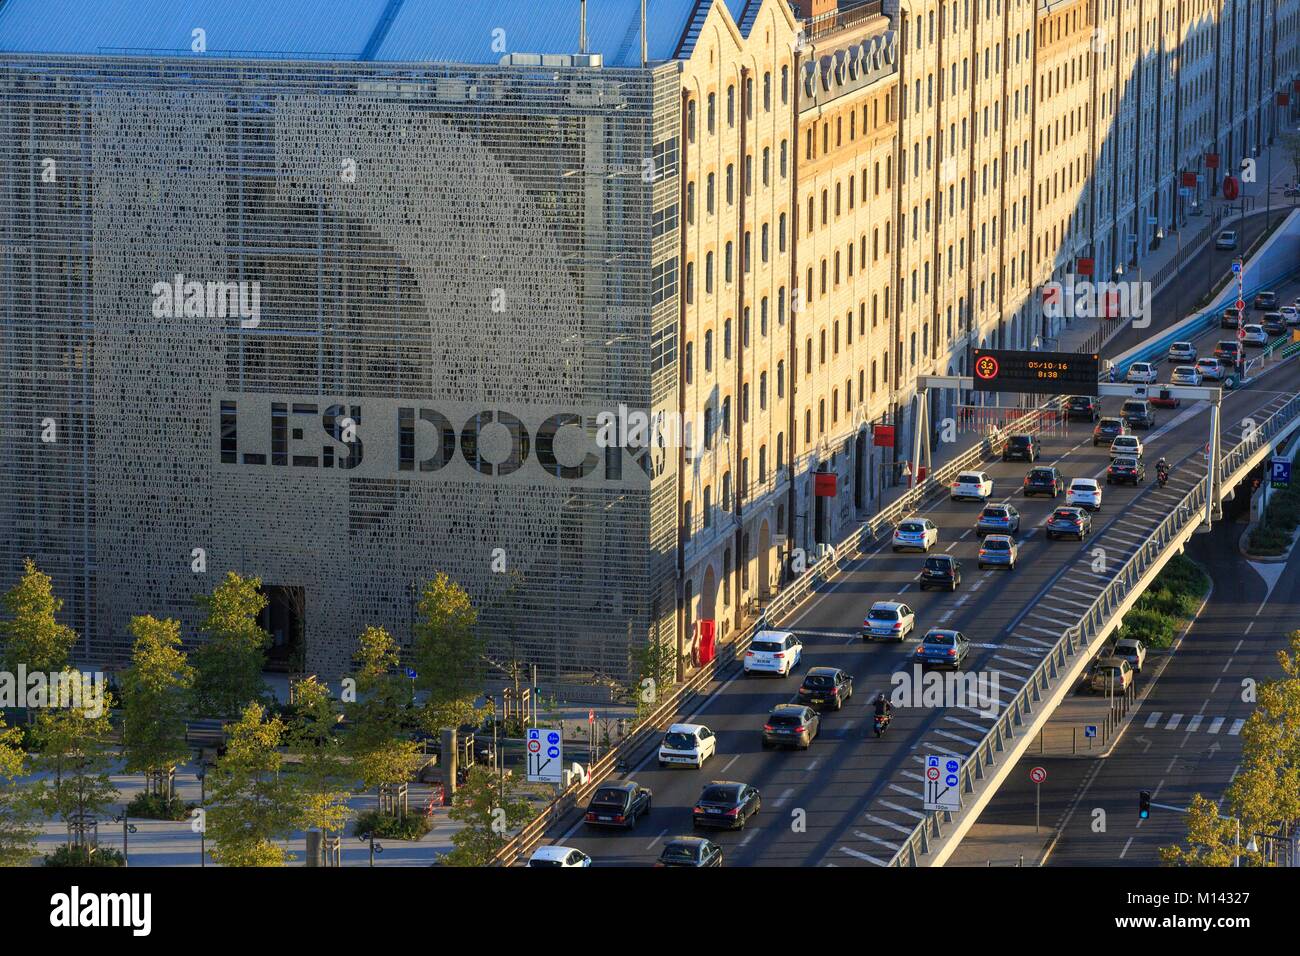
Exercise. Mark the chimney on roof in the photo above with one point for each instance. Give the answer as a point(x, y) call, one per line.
point(582, 28)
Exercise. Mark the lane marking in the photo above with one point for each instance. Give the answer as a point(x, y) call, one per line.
point(1215, 724)
point(1236, 727)
point(1173, 722)
point(1153, 719)
point(862, 856)
point(1194, 723)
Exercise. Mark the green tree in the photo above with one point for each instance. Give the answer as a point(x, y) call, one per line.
point(377, 745)
point(16, 811)
point(490, 808)
point(322, 776)
point(74, 751)
point(31, 636)
point(155, 701)
point(656, 667)
point(449, 654)
point(228, 667)
point(251, 803)
point(1211, 839)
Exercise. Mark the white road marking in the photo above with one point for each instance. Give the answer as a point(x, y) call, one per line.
point(861, 835)
point(1236, 727)
point(1239, 643)
point(1174, 721)
point(785, 795)
point(910, 813)
point(1215, 724)
point(1126, 846)
point(862, 856)
point(966, 740)
point(656, 840)
point(1194, 723)
point(1153, 719)
point(730, 762)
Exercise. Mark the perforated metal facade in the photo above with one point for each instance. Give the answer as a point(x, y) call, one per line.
point(437, 252)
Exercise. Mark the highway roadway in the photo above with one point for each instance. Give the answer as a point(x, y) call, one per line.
point(851, 798)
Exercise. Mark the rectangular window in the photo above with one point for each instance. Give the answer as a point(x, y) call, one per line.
point(663, 281)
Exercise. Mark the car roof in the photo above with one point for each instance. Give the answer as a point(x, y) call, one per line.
point(1085, 481)
point(774, 634)
point(997, 537)
point(725, 783)
point(685, 728)
point(558, 853)
point(788, 709)
point(823, 671)
point(887, 605)
point(942, 631)
point(691, 841)
point(1126, 641)
point(618, 785)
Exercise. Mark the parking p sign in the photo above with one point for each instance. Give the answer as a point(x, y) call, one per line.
point(1280, 472)
point(545, 755)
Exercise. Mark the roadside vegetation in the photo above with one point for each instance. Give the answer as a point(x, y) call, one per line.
point(283, 769)
point(1273, 535)
point(1262, 803)
point(1167, 605)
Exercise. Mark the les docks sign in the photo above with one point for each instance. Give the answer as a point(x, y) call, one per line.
point(1041, 373)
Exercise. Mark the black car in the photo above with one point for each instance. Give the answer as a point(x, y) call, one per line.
point(1265, 301)
point(1082, 408)
point(690, 851)
point(826, 687)
point(1044, 480)
point(1069, 521)
point(1274, 324)
point(725, 803)
point(1021, 448)
point(940, 571)
point(1123, 471)
point(618, 804)
point(791, 725)
point(1229, 318)
point(1137, 413)
point(1106, 431)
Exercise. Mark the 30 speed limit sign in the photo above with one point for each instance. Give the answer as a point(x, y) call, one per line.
point(1038, 775)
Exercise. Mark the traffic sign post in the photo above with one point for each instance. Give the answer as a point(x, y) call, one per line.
point(1280, 472)
point(545, 755)
point(1038, 775)
point(942, 782)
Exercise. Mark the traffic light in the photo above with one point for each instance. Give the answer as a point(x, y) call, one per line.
point(1144, 804)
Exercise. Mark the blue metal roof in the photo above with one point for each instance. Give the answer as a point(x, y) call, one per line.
point(460, 31)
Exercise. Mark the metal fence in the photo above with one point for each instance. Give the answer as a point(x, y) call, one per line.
point(1093, 626)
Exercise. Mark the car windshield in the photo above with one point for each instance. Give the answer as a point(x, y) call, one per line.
point(1125, 462)
point(1082, 486)
point(1108, 423)
point(993, 544)
point(532, 863)
point(677, 853)
point(1126, 441)
point(1065, 515)
point(719, 795)
point(1040, 475)
point(970, 479)
point(939, 639)
point(818, 680)
point(910, 527)
point(883, 614)
point(1080, 401)
point(1020, 441)
point(1126, 647)
point(609, 795)
point(995, 513)
point(767, 646)
point(1134, 407)
point(784, 720)
point(1183, 346)
point(679, 741)
point(936, 564)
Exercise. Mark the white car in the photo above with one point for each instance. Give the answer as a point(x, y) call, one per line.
point(1185, 375)
point(916, 533)
point(1211, 369)
point(773, 652)
point(888, 619)
point(972, 484)
point(1226, 240)
point(1182, 352)
point(1126, 446)
point(558, 856)
point(1141, 372)
point(1255, 335)
point(1290, 314)
point(1084, 493)
point(689, 744)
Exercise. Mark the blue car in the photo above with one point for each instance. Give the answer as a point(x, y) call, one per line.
point(998, 551)
point(997, 519)
point(942, 648)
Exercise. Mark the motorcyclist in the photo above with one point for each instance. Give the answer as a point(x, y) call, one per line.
point(883, 707)
point(1162, 470)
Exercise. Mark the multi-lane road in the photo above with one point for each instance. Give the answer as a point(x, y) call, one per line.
point(851, 798)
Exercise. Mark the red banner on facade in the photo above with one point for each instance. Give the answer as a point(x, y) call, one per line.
point(1211, 160)
point(824, 484)
point(882, 436)
point(1189, 179)
point(1083, 267)
point(1283, 99)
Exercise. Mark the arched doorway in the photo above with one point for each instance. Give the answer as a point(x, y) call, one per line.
point(709, 595)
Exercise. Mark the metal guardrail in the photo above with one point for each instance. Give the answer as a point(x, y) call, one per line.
point(1178, 524)
point(785, 601)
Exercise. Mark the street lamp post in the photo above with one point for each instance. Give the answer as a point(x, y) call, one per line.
point(202, 773)
point(127, 828)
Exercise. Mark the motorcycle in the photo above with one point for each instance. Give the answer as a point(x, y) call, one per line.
point(1162, 477)
point(882, 723)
